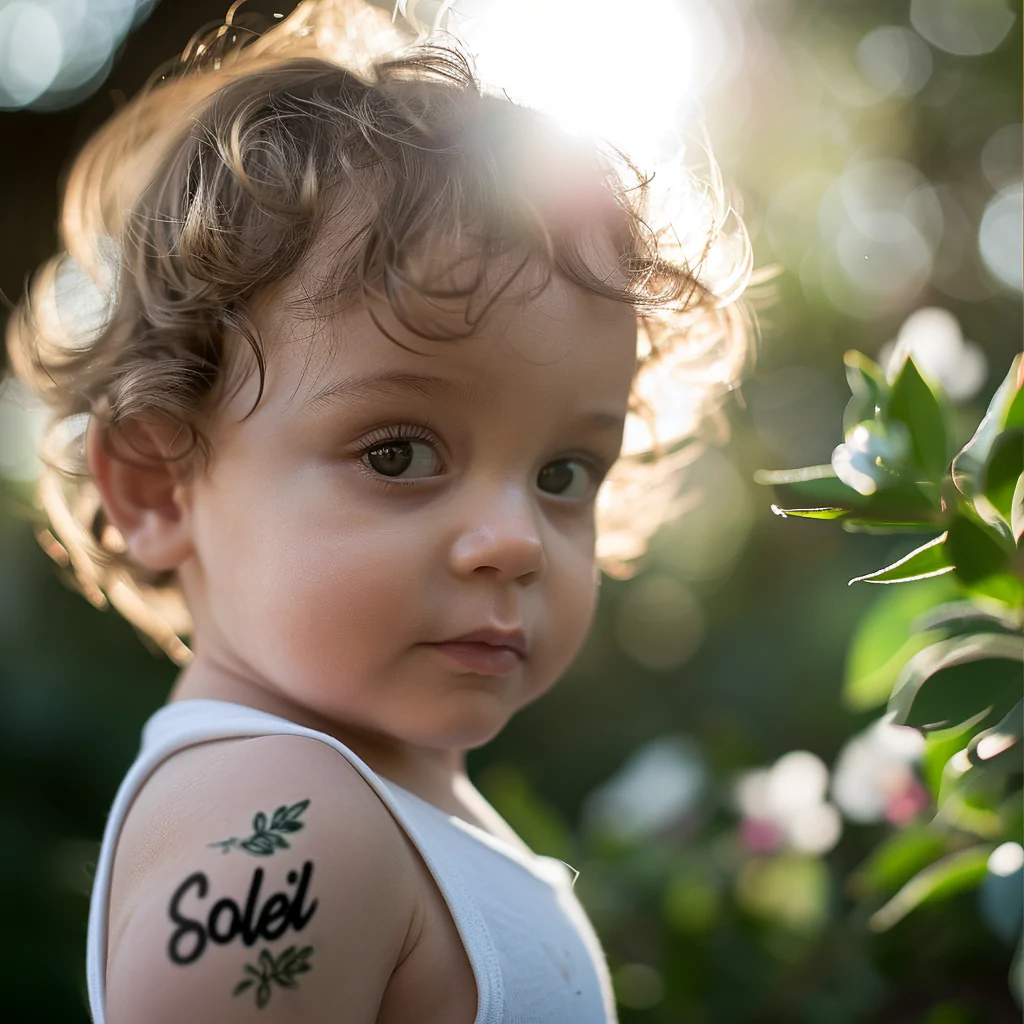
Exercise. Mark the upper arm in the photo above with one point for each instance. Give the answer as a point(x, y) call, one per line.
point(282, 895)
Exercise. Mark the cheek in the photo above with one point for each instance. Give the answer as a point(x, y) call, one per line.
point(340, 593)
point(573, 593)
point(293, 583)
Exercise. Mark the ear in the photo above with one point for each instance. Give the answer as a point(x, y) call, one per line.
point(146, 497)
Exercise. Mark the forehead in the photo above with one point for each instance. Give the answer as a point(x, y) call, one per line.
point(545, 349)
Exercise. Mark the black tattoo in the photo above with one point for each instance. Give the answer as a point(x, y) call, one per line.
point(266, 838)
point(272, 921)
point(282, 970)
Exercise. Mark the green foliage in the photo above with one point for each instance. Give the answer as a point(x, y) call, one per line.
point(955, 672)
point(964, 869)
point(914, 404)
point(931, 559)
point(896, 860)
point(891, 631)
point(940, 686)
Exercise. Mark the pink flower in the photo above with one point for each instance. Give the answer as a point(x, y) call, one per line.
point(759, 835)
point(906, 802)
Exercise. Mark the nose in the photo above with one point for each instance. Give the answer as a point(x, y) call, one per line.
point(499, 533)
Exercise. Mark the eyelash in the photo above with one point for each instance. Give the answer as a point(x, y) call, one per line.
point(413, 432)
point(399, 432)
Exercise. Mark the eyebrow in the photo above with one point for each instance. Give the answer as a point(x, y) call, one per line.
point(391, 382)
point(351, 389)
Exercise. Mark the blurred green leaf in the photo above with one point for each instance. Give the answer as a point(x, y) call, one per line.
point(1011, 814)
point(868, 386)
point(942, 685)
point(774, 477)
point(1014, 417)
point(940, 745)
point(1004, 410)
point(991, 519)
point(931, 559)
point(815, 489)
point(818, 485)
point(1001, 586)
point(968, 615)
point(1004, 468)
point(854, 524)
point(884, 640)
point(991, 743)
point(810, 513)
point(900, 503)
point(974, 550)
point(913, 403)
point(968, 792)
point(1017, 510)
point(954, 873)
point(897, 859)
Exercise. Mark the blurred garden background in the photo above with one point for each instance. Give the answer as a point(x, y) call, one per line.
point(716, 764)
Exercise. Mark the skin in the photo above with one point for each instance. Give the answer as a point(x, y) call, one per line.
point(314, 581)
point(200, 921)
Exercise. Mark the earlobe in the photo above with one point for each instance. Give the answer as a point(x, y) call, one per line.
point(146, 499)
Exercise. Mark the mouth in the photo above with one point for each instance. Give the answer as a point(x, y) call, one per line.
point(487, 651)
point(482, 658)
point(513, 639)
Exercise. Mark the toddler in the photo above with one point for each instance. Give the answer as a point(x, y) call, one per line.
point(371, 344)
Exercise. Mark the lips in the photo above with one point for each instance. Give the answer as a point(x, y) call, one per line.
point(514, 640)
point(488, 651)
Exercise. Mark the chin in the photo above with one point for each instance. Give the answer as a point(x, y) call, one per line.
point(465, 732)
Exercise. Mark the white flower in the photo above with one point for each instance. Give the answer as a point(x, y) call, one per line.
point(872, 775)
point(869, 447)
point(789, 797)
point(932, 335)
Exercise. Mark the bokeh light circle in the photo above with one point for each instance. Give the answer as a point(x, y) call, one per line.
point(894, 60)
point(964, 27)
point(1000, 237)
point(1002, 156)
point(880, 221)
point(31, 52)
point(54, 53)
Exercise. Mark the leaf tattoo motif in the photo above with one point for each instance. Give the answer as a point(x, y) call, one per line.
point(267, 837)
point(282, 970)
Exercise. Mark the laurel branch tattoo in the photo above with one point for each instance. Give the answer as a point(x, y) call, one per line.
point(282, 970)
point(267, 837)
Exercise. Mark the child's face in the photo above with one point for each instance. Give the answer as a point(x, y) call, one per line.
point(317, 575)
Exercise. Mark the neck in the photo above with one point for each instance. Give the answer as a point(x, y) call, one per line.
point(438, 773)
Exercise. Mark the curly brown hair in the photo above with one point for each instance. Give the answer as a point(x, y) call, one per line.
point(217, 180)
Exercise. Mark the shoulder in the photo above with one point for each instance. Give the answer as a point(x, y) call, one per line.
point(226, 783)
point(248, 862)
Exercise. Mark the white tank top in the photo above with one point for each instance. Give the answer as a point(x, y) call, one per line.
point(534, 953)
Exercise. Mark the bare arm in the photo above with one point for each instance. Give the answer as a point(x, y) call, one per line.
point(283, 899)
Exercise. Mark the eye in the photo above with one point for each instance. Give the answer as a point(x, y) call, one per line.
point(568, 478)
point(400, 455)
